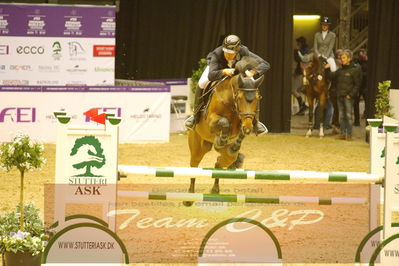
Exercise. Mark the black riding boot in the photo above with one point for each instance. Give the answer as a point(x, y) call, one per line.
point(259, 127)
point(194, 119)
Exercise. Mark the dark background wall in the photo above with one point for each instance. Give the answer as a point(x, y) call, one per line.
point(165, 39)
point(383, 46)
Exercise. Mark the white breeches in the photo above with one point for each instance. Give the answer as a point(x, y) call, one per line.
point(331, 62)
point(204, 81)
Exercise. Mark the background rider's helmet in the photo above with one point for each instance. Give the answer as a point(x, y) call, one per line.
point(231, 44)
point(325, 21)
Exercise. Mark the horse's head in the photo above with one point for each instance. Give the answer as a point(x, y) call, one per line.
point(313, 67)
point(246, 97)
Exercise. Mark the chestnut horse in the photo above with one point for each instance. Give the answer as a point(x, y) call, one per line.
point(316, 87)
point(229, 118)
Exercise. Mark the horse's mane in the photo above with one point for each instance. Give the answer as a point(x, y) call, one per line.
point(246, 63)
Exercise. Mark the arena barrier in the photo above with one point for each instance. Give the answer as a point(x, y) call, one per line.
point(389, 179)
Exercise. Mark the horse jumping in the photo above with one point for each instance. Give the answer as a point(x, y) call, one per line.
point(316, 87)
point(228, 119)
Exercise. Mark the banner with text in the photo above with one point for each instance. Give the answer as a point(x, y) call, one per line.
point(57, 45)
point(145, 111)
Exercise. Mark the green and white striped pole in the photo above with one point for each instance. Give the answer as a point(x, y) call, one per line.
point(200, 197)
point(191, 172)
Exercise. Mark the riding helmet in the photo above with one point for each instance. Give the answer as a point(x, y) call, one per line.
point(231, 44)
point(325, 21)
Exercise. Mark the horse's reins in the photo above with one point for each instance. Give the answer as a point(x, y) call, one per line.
point(214, 87)
point(207, 92)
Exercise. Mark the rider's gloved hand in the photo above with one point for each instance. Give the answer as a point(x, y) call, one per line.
point(228, 71)
point(250, 73)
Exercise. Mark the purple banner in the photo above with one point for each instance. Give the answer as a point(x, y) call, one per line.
point(57, 21)
point(165, 88)
point(170, 81)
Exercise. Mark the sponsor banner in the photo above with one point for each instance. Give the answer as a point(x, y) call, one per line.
point(103, 50)
point(57, 61)
point(145, 111)
point(171, 81)
point(57, 21)
point(66, 45)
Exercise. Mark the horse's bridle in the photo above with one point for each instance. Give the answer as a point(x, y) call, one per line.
point(242, 115)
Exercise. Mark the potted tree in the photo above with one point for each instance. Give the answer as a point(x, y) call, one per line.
point(21, 234)
point(382, 106)
point(22, 247)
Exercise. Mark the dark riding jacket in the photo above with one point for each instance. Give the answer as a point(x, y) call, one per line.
point(348, 79)
point(304, 51)
point(217, 62)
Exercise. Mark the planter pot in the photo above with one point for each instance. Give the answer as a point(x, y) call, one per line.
point(21, 259)
point(367, 135)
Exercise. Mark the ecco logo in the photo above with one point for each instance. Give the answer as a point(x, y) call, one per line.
point(18, 114)
point(30, 50)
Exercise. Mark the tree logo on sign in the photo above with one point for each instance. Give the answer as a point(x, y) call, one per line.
point(89, 149)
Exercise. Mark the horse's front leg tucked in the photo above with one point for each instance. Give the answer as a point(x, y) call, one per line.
point(222, 124)
point(236, 145)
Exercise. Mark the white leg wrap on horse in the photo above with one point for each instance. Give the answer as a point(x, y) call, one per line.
point(321, 133)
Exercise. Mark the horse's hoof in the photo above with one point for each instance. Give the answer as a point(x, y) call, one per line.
point(188, 203)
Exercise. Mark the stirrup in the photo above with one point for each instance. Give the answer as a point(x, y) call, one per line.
point(260, 129)
point(189, 123)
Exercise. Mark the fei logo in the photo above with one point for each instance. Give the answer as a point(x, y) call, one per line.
point(4, 49)
point(89, 153)
point(116, 110)
point(18, 114)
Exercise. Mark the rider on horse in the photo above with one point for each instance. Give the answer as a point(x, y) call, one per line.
point(324, 42)
point(221, 63)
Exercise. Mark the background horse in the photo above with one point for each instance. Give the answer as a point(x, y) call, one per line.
point(316, 87)
point(229, 117)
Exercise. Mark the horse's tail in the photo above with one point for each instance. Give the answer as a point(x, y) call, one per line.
point(246, 63)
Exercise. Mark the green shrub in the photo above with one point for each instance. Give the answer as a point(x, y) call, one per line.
point(382, 106)
point(32, 240)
